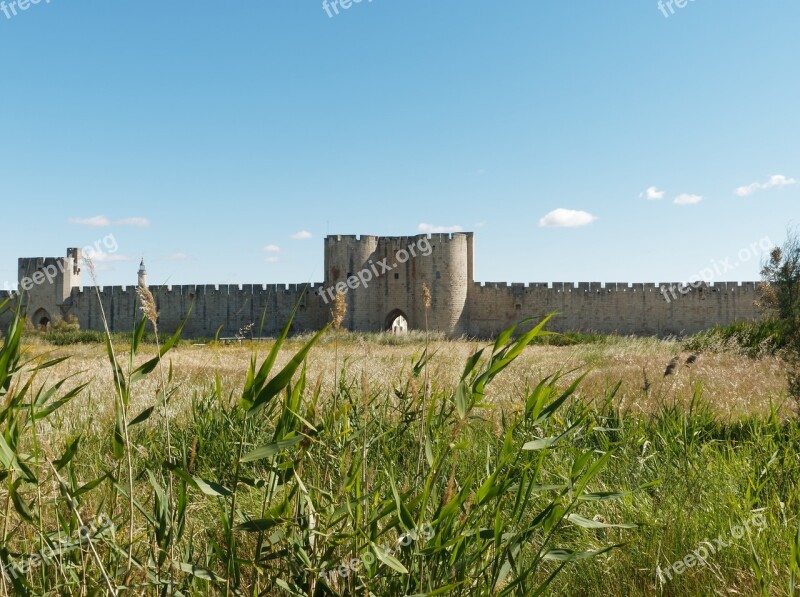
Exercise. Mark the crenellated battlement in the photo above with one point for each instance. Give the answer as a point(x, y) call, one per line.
point(207, 289)
point(439, 237)
point(351, 238)
point(615, 286)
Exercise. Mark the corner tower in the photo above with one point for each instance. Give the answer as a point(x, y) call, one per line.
point(47, 284)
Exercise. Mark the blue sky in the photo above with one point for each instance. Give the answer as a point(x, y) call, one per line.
point(205, 136)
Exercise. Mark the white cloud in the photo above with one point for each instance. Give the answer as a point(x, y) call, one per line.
point(748, 189)
point(178, 257)
point(687, 199)
point(271, 259)
point(566, 218)
point(439, 229)
point(93, 222)
point(302, 235)
point(775, 181)
point(272, 249)
point(653, 194)
point(104, 222)
point(779, 180)
point(135, 222)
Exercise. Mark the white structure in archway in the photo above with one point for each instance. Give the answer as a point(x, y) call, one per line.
point(400, 325)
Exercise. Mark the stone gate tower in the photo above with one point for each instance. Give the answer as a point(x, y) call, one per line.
point(48, 283)
point(397, 268)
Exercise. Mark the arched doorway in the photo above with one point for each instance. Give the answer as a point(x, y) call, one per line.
point(41, 320)
point(397, 322)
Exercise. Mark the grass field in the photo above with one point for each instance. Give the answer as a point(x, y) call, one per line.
point(375, 467)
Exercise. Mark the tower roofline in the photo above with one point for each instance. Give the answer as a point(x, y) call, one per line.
point(361, 237)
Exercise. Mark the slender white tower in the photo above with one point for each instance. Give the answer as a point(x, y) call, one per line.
point(142, 275)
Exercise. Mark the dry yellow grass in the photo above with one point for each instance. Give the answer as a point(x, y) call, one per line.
point(734, 385)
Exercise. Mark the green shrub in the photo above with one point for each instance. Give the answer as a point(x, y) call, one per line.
point(70, 324)
point(752, 338)
point(779, 295)
point(574, 339)
point(66, 338)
